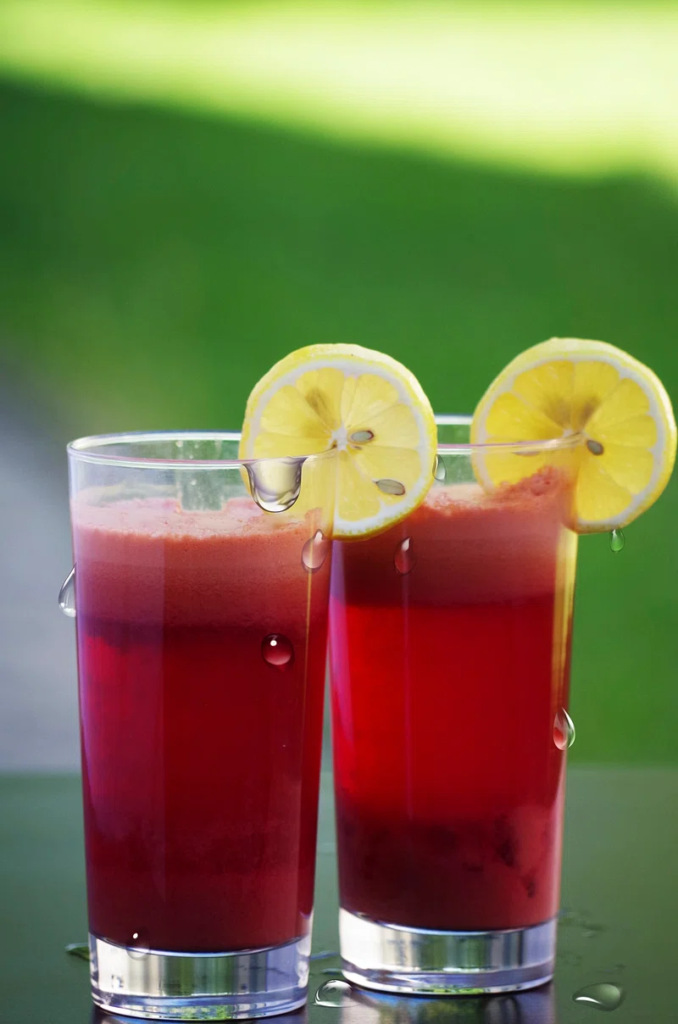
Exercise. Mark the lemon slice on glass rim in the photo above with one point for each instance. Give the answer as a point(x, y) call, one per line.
point(615, 404)
point(361, 403)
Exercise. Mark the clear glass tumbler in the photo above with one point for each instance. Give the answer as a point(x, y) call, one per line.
point(200, 588)
point(450, 654)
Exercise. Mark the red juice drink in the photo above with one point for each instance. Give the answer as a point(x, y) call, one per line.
point(201, 655)
point(450, 640)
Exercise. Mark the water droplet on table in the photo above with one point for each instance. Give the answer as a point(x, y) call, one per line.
point(67, 595)
point(315, 551)
point(391, 486)
point(333, 993)
point(79, 949)
point(564, 733)
point(439, 469)
point(617, 540)
point(277, 650)
point(603, 996)
point(139, 945)
point(405, 558)
point(275, 483)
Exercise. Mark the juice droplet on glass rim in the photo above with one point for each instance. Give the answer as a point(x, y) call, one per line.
point(275, 483)
point(67, 595)
point(564, 733)
point(617, 540)
point(405, 558)
point(603, 996)
point(315, 551)
point(138, 946)
point(277, 650)
point(333, 993)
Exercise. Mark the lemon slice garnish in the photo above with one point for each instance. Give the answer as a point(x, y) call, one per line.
point(620, 409)
point(369, 408)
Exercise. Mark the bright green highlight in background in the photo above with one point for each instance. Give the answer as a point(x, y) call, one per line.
point(555, 86)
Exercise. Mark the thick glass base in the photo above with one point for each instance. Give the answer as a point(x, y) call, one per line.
point(199, 986)
point(393, 958)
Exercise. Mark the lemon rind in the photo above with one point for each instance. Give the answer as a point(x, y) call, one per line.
point(628, 367)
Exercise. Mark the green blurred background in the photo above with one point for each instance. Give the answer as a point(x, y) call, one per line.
point(190, 190)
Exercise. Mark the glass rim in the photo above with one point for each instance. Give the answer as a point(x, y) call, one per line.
point(567, 441)
point(87, 449)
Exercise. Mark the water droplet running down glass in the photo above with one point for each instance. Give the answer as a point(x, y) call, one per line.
point(315, 551)
point(439, 469)
point(275, 483)
point(67, 595)
point(139, 946)
point(603, 996)
point(405, 558)
point(564, 733)
point(617, 540)
point(333, 993)
point(277, 650)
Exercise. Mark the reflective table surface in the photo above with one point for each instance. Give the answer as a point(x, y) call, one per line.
point(617, 934)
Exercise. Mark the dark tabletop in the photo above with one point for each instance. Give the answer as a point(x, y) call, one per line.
point(618, 926)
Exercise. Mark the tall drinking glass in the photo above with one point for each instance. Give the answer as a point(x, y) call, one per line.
point(450, 652)
point(201, 592)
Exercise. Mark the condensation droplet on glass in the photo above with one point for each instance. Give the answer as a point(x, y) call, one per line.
point(405, 558)
point(275, 483)
point(439, 469)
point(603, 996)
point(67, 595)
point(333, 993)
point(564, 733)
point(79, 949)
point(138, 946)
point(277, 650)
point(315, 551)
point(391, 487)
point(617, 540)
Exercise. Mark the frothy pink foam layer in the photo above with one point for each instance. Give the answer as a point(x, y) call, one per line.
point(150, 561)
point(469, 546)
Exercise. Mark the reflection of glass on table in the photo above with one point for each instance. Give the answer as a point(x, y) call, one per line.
point(450, 640)
point(201, 623)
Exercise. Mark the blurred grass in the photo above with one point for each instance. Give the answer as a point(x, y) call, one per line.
point(153, 265)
